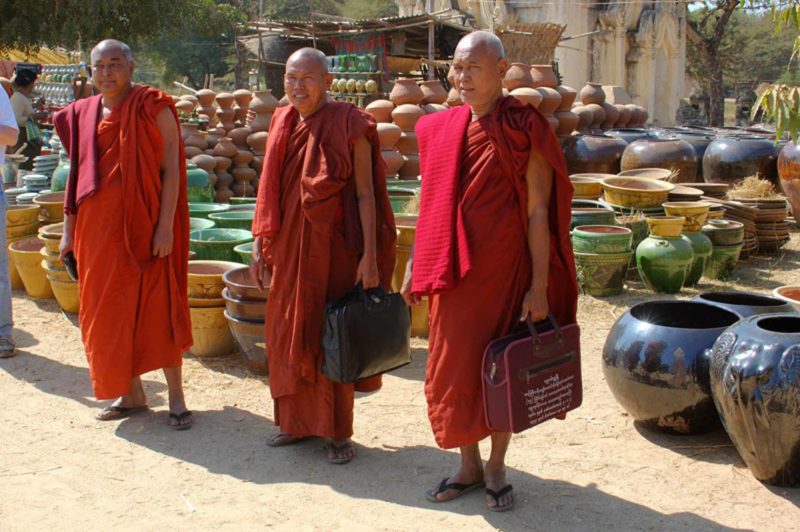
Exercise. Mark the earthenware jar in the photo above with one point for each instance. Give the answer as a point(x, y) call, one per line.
point(589, 153)
point(601, 239)
point(789, 173)
point(433, 91)
point(225, 148)
point(593, 93)
point(630, 134)
point(612, 115)
point(406, 91)
point(518, 75)
point(585, 118)
point(242, 97)
point(543, 76)
point(394, 160)
point(263, 104)
point(568, 95)
point(745, 304)
point(388, 134)
point(239, 136)
point(406, 116)
point(567, 122)
point(756, 389)
point(671, 153)
point(381, 110)
point(724, 232)
point(410, 168)
point(527, 95)
point(598, 117)
point(625, 115)
point(731, 159)
point(257, 142)
point(656, 364)
point(722, 261)
point(664, 258)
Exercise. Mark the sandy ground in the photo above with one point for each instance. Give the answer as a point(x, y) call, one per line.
point(61, 469)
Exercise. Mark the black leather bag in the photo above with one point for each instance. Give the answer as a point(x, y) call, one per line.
point(366, 333)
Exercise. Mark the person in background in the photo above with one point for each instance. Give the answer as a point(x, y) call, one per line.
point(8, 136)
point(23, 84)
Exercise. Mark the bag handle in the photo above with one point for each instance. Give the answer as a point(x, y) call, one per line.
point(373, 296)
point(537, 342)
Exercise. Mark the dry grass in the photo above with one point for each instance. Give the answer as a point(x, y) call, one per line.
point(753, 187)
point(412, 207)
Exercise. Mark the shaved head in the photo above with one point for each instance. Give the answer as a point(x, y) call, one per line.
point(311, 58)
point(113, 44)
point(306, 80)
point(479, 66)
point(483, 42)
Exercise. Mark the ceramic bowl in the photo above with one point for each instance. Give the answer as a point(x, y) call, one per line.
point(202, 210)
point(241, 286)
point(205, 278)
point(21, 215)
point(788, 293)
point(218, 243)
point(252, 310)
point(239, 219)
point(636, 192)
point(245, 251)
point(200, 223)
point(649, 173)
point(252, 343)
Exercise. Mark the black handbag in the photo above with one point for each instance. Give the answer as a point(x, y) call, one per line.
point(366, 333)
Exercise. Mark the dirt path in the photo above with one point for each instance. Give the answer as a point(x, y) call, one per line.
point(596, 471)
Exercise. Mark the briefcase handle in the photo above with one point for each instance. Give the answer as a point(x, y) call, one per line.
point(373, 296)
point(537, 342)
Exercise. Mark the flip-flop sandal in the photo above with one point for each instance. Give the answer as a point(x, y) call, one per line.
point(179, 420)
point(462, 489)
point(339, 460)
point(282, 435)
point(496, 496)
point(110, 413)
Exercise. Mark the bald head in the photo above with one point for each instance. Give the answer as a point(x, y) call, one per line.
point(483, 42)
point(112, 45)
point(308, 59)
point(306, 80)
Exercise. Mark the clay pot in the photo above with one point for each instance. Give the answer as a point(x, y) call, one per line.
point(243, 157)
point(239, 136)
point(256, 164)
point(601, 239)
point(664, 261)
point(225, 148)
point(593, 93)
point(263, 102)
point(406, 116)
point(225, 117)
point(205, 97)
point(190, 98)
point(188, 129)
point(381, 110)
point(550, 100)
point(206, 162)
point(612, 115)
point(407, 144)
point(527, 95)
point(588, 153)
point(184, 108)
point(394, 160)
point(598, 116)
point(638, 115)
point(567, 122)
point(655, 363)
point(433, 91)
point(214, 134)
point(756, 392)
point(543, 76)
point(433, 108)
point(789, 174)
point(585, 118)
point(388, 134)
point(670, 153)
point(242, 97)
point(518, 75)
point(225, 100)
point(406, 91)
point(258, 142)
point(625, 116)
point(223, 163)
point(454, 98)
point(191, 151)
point(410, 168)
point(731, 159)
point(568, 95)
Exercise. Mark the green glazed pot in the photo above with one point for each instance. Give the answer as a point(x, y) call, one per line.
point(600, 274)
point(200, 223)
point(592, 216)
point(242, 207)
point(601, 239)
point(245, 251)
point(60, 175)
point(404, 183)
point(724, 232)
point(722, 261)
point(702, 248)
point(242, 201)
point(198, 187)
point(664, 263)
point(218, 244)
point(233, 219)
point(202, 210)
point(399, 203)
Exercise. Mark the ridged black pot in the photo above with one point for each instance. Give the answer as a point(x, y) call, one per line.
point(656, 364)
point(755, 382)
point(745, 304)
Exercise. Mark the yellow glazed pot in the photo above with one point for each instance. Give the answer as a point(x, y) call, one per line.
point(52, 245)
point(419, 318)
point(21, 215)
point(666, 226)
point(28, 261)
point(212, 336)
point(588, 186)
point(205, 278)
point(64, 288)
point(52, 261)
point(695, 212)
point(636, 192)
point(52, 207)
point(20, 231)
point(13, 274)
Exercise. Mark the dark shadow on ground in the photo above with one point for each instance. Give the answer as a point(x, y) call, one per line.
point(714, 447)
point(23, 339)
point(416, 370)
point(541, 504)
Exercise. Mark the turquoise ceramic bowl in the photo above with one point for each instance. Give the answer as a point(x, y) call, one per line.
point(233, 219)
point(200, 223)
point(245, 251)
point(218, 243)
point(202, 210)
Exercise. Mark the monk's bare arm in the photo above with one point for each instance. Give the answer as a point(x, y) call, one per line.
point(68, 236)
point(362, 162)
point(539, 180)
point(170, 183)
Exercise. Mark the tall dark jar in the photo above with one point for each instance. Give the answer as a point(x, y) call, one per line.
point(669, 152)
point(589, 153)
point(731, 159)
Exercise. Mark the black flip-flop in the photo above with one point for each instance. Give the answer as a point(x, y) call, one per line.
point(110, 413)
point(343, 459)
point(496, 496)
point(270, 441)
point(179, 418)
point(445, 486)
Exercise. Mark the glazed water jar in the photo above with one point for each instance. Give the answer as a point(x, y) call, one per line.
point(590, 153)
point(722, 261)
point(670, 153)
point(664, 259)
point(702, 249)
point(731, 159)
point(602, 274)
point(601, 239)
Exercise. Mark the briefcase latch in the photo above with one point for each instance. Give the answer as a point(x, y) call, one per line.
point(493, 371)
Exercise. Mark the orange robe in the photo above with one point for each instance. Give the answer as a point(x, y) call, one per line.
point(485, 301)
point(308, 214)
point(134, 313)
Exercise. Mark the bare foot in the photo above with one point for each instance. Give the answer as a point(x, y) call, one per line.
point(282, 438)
point(467, 479)
point(122, 408)
point(499, 494)
point(341, 451)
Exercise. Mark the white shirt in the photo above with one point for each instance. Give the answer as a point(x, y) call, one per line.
point(22, 106)
point(6, 119)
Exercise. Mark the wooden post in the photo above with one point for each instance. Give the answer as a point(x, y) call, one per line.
point(431, 71)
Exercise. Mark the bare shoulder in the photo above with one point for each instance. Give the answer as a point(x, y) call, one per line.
point(165, 121)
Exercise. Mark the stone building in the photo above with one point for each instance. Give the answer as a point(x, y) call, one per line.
point(637, 44)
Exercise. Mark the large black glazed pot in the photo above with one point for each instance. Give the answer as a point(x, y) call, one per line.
point(668, 152)
point(700, 143)
point(631, 134)
point(745, 304)
point(731, 159)
point(589, 153)
point(755, 381)
point(655, 362)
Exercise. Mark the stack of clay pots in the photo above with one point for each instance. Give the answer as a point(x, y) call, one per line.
point(212, 337)
point(596, 114)
point(27, 258)
point(65, 289)
point(245, 312)
point(406, 231)
point(22, 221)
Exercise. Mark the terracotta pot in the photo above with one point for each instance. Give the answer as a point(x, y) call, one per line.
point(406, 116)
point(527, 95)
point(567, 122)
point(223, 163)
point(585, 118)
point(243, 157)
point(612, 115)
point(188, 129)
point(225, 117)
point(454, 98)
point(550, 100)
point(406, 91)
point(598, 116)
point(593, 93)
point(239, 136)
point(433, 91)
point(389, 134)
point(263, 102)
point(568, 95)
point(625, 115)
point(670, 153)
point(225, 100)
point(214, 134)
point(257, 163)
point(588, 153)
point(381, 110)
point(191, 151)
point(206, 162)
point(410, 166)
point(543, 76)
point(225, 148)
point(394, 160)
point(210, 112)
point(190, 98)
point(731, 159)
point(407, 143)
point(260, 122)
point(205, 97)
point(242, 97)
point(198, 139)
point(789, 173)
point(638, 118)
point(258, 142)
point(518, 75)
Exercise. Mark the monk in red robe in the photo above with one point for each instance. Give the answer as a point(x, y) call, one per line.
point(492, 248)
point(323, 223)
point(127, 225)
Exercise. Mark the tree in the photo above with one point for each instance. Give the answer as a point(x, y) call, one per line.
point(705, 29)
point(360, 9)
